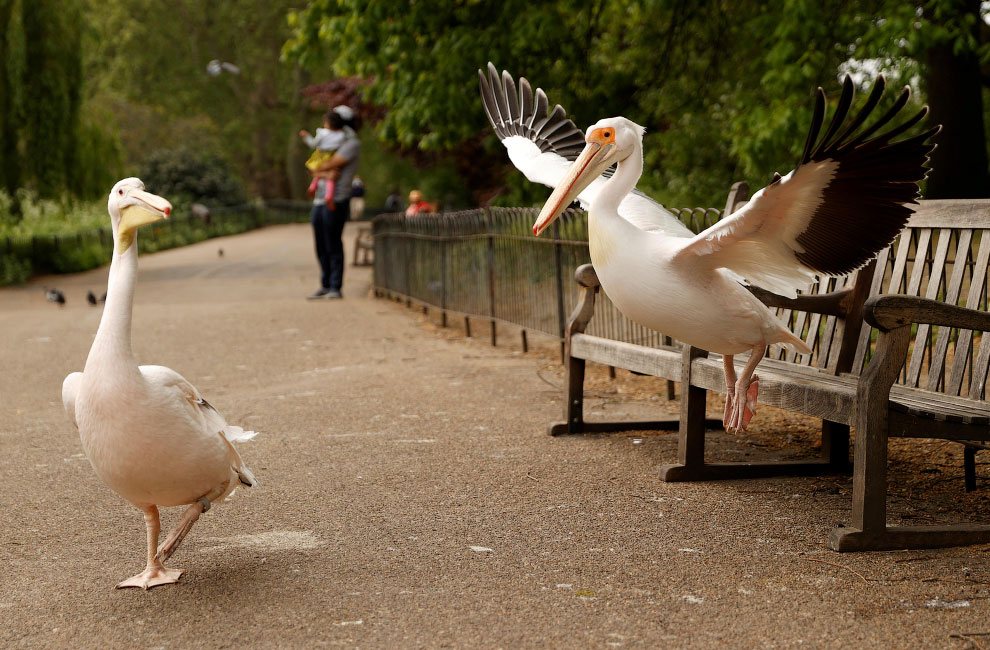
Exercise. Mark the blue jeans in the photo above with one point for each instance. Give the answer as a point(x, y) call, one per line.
point(327, 229)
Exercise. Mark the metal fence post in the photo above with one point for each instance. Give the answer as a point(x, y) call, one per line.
point(406, 245)
point(491, 270)
point(558, 263)
point(443, 274)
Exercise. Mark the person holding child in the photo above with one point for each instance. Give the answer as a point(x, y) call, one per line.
point(324, 145)
point(337, 152)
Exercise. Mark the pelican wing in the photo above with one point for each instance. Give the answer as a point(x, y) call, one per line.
point(70, 387)
point(542, 144)
point(844, 203)
point(201, 410)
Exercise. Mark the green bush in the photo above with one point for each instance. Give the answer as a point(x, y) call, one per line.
point(55, 249)
point(14, 270)
point(189, 176)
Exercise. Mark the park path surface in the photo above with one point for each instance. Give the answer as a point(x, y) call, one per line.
point(410, 497)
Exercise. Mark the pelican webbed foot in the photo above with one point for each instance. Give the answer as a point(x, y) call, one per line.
point(741, 393)
point(738, 419)
point(154, 575)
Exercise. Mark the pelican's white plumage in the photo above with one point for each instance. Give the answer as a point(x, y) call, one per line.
point(844, 203)
point(542, 145)
point(146, 430)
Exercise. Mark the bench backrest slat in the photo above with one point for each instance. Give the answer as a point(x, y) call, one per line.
point(903, 244)
point(798, 328)
point(922, 340)
point(863, 347)
point(977, 284)
point(979, 382)
point(959, 266)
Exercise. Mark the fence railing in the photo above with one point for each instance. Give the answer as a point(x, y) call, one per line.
point(486, 264)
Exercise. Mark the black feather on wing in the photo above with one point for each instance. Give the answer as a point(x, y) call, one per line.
point(518, 110)
point(874, 179)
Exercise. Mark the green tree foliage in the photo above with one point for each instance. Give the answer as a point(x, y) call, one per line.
point(150, 67)
point(51, 85)
point(723, 87)
point(45, 145)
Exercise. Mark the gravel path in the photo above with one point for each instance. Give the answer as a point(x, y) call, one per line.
point(410, 498)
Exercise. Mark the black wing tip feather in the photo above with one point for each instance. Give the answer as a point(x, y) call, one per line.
point(514, 108)
point(866, 202)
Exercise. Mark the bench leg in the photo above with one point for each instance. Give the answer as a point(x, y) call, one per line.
point(969, 467)
point(574, 400)
point(869, 530)
point(835, 446)
point(574, 410)
point(690, 464)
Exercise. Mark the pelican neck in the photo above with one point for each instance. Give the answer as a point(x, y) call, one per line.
point(113, 338)
point(623, 181)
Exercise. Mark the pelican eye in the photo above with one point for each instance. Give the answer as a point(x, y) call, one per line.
point(120, 192)
point(607, 134)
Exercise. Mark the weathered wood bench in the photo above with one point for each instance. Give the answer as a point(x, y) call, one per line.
point(861, 329)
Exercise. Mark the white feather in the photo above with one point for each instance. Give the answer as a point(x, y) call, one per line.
point(549, 168)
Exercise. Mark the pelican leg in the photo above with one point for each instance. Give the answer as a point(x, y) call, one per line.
point(182, 528)
point(730, 390)
point(747, 387)
point(155, 573)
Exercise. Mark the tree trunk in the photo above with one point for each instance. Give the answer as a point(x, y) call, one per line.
point(954, 84)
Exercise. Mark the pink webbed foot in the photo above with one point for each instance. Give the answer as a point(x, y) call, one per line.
point(746, 396)
point(152, 576)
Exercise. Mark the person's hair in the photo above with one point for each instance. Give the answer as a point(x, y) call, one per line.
point(334, 120)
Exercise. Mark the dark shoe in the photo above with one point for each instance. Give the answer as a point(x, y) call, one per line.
point(333, 294)
point(322, 293)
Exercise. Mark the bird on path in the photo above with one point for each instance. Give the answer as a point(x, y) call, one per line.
point(91, 297)
point(844, 203)
point(56, 296)
point(148, 433)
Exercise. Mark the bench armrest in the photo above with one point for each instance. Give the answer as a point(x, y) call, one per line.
point(893, 315)
point(586, 277)
point(888, 312)
point(834, 303)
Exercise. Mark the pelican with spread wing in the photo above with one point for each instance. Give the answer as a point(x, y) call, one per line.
point(844, 203)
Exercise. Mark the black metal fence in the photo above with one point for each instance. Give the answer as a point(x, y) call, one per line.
point(486, 264)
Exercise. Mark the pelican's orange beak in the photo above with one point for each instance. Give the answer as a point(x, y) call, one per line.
point(598, 155)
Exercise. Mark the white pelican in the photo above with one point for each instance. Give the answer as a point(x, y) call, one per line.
point(843, 204)
point(147, 432)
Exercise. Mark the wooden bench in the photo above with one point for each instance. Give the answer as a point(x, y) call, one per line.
point(364, 247)
point(885, 361)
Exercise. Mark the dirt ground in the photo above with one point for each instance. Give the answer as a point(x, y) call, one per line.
point(410, 497)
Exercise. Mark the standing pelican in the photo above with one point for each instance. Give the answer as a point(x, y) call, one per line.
point(147, 432)
point(841, 206)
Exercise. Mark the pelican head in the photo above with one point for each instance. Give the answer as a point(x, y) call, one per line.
point(130, 207)
point(609, 141)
